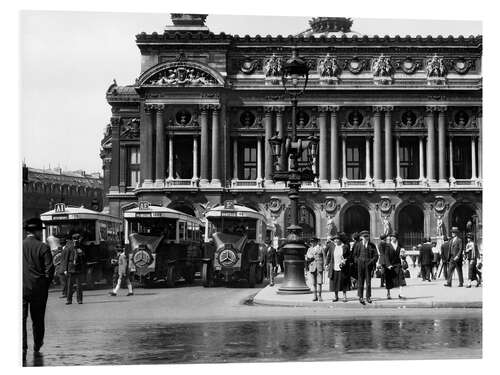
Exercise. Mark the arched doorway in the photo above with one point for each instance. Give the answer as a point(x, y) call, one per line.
point(306, 220)
point(410, 226)
point(461, 215)
point(355, 219)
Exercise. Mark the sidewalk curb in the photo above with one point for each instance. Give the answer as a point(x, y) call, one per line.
point(354, 304)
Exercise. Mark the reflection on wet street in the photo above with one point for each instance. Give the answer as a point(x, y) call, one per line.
point(268, 340)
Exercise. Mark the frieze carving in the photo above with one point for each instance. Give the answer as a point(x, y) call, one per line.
point(408, 65)
point(382, 70)
point(329, 69)
point(131, 129)
point(248, 66)
point(436, 70)
point(181, 75)
point(272, 66)
point(356, 65)
point(115, 121)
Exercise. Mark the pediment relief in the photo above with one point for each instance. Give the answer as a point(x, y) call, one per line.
point(181, 74)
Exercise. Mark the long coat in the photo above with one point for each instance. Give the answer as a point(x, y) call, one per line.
point(382, 249)
point(426, 254)
point(38, 268)
point(329, 259)
point(394, 277)
point(456, 250)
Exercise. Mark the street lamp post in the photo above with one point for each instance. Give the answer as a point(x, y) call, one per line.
point(295, 71)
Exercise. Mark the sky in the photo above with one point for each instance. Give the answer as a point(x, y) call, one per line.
point(69, 59)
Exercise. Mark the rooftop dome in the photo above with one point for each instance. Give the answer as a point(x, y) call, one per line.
point(329, 26)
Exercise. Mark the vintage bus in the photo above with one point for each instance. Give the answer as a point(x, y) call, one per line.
point(100, 238)
point(235, 248)
point(164, 244)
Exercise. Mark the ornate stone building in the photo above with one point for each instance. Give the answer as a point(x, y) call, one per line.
point(43, 188)
point(399, 121)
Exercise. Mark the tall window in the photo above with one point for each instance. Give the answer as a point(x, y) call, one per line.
point(408, 158)
point(183, 157)
point(134, 166)
point(355, 158)
point(247, 160)
point(462, 168)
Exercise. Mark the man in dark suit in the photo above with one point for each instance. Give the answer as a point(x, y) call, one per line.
point(445, 252)
point(425, 259)
point(382, 246)
point(455, 258)
point(365, 257)
point(38, 272)
point(73, 264)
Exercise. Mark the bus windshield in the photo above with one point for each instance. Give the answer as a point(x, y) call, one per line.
point(86, 228)
point(238, 226)
point(153, 227)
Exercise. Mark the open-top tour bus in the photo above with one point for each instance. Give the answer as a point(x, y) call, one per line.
point(100, 237)
point(163, 243)
point(235, 248)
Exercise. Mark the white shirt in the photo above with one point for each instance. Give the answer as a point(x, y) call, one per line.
point(337, 257)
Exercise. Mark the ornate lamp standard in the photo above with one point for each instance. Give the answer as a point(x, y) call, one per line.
point(294, 79)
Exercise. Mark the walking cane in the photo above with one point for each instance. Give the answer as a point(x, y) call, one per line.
point(440, 270)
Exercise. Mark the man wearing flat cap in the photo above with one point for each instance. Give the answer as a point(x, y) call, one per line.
point(73, 265)
point(455, 258)
point(365, 257)
point(38, 272)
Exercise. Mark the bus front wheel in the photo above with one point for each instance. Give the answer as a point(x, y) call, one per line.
point(252, 275)
point(171, 276)
point(206, 275)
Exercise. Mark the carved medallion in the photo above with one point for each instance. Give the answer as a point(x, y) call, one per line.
point(183, 118)
point(462, 66)
point(355, 118)
point(461, 119)
point(302, 119)
point(330, 205)
point(248, 66)
point(408, 65)
point(385, 205)
point(247, 119)
point(408, 119)
point(356, 65)
point(274, 205)
point(439, 205)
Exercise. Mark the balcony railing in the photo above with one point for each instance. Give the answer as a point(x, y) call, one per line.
point(181, 183)
point(359, 184)
point(411, 183)
point(465, 183)
point(245, 184)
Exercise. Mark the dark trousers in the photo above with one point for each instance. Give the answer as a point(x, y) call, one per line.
point(36, 307)
point(426, 270)
point(458, 266)
point(382, 277)
point(75, 279)
point(64, 284)
point(445, 270)
point(364, 276)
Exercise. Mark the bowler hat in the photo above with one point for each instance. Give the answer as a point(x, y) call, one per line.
point(383, 236)
point(33, 224)
point(364, 233)
point(336, 237)
point(394, 234)
point(469, 235)
point(454, 230)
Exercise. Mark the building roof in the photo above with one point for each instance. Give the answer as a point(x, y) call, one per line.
point(64, 177)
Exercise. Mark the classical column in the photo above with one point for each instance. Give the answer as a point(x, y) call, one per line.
point(442, 144)
point(170, 156)
point(344, 163)
point(259, 160)
point(480, 143)
point(388, 145)
point(398, 161)
point(216, 145)
point(195, 158)
point(377, 146)
point(431, 144)
point(146, 145)
point(281, 130)
point(235, 159)
point(367, 159)
point(160, 146)
point(473, 157)
point(334, 145)
point(421, 176)
point(323, 145)
point(123, 168)
point(268, 127)
point(204, 144)
point(115, 154)
point(451, 159)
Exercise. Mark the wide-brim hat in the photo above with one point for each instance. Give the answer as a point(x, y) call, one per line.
point(336, 237)
point(33, 224)
point(455, 230)
point(364, 233)
point(469, 235)
point(314, 239)
point(394, 234)
point(76, 236)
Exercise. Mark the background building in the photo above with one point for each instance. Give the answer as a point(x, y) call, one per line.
point(399, 121)
point(42, 188)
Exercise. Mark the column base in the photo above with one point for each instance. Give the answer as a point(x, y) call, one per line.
point(147, 184)
point(323, 183)
point(334, 184)
point(438, 184)
point(268, 182)
point(114, 189)
point(160, 183)
point(388, 184)
point(204, 182)
point(215, 183)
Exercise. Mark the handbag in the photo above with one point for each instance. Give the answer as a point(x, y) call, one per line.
point(404, 264)
point(406, 274)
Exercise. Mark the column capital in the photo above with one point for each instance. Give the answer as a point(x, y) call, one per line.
point(215, 107)
point(268, 109)
point(115, 121)
point(204, 108)
point(158, 107)
point(279, 109)
point(479, 112)
point(388, 108)
point(377, 109)
point(435, 108)
point(149, 107)
point(441, 109)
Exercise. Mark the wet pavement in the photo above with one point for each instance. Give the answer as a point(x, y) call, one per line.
point(192, 324)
